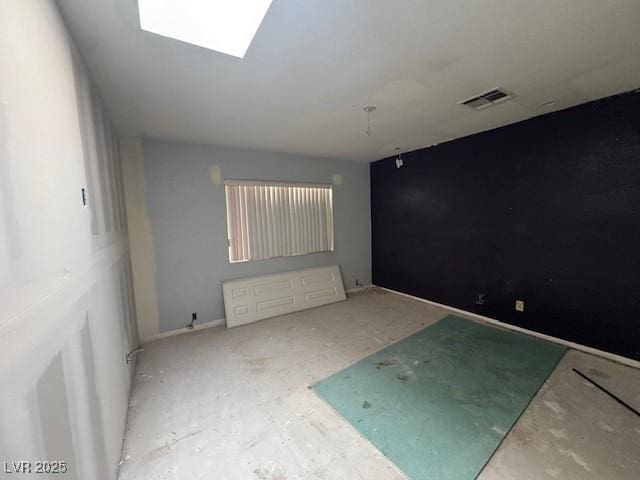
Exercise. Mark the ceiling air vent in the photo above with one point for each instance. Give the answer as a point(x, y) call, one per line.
point(484, 100)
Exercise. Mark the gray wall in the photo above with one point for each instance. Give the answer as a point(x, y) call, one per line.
point(188, 222)
point(66, 301)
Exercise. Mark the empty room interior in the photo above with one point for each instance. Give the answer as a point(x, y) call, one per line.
point(320, 239)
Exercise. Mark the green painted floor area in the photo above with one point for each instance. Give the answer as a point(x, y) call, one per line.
point(439, 402)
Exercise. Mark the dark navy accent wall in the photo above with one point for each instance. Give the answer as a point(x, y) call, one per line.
point(546, 210)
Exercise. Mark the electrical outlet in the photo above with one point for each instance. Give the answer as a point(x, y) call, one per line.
point(519, 305)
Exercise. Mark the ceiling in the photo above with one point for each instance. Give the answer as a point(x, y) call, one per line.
point(315, 64)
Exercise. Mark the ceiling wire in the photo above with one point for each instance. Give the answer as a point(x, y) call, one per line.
point(369, 109)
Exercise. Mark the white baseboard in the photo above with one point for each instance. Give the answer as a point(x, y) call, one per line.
point(359, 288)
point(215, 323)
point(576, 346)
point(181, 331)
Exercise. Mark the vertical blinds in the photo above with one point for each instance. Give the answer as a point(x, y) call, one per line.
point(269, 219)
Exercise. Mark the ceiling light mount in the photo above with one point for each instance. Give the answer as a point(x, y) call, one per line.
point(368, 109)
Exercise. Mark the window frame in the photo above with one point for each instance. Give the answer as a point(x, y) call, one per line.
point(330, 226)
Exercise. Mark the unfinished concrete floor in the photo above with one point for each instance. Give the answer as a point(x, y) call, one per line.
point(234, 404)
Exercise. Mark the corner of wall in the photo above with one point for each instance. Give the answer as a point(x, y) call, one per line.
point(140, 238)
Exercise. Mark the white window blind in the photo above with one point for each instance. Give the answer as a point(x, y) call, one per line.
point(273, 219)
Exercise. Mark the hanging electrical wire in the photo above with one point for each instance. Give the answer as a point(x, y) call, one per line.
point(369, 109)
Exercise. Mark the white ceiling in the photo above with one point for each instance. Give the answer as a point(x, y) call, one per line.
point(314, 65)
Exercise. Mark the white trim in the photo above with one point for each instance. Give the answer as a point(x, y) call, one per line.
point(172, 333)
point(247, 300)
point(271, 183)
point(359, 288)
point(267, 221)
point(576, 346)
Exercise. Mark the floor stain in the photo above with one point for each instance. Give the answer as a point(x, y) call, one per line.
point(168, 446)
point(576, 458)
point(366, 404)
point(253, 443)
point(555, 408)
point(558, 433)
point(387, 363)
point(599, 373)
point(521, 437)
point(258, 361)
point(500, 431)
point(319, 426)
point(553, 472)
point(271, 472)
point(605, 427)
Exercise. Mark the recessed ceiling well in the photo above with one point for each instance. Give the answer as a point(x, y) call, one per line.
point(221, 25)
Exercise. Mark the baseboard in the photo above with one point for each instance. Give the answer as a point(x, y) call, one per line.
point(359, 288)
point(576, 346)
point(216, 323)
point(181, 331)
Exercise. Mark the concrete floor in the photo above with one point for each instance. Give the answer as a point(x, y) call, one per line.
point(234, 404)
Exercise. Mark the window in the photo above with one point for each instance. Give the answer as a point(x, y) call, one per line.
point(226, 26)
point(273, 219)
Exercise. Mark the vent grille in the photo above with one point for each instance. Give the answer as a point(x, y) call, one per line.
point(486, 99)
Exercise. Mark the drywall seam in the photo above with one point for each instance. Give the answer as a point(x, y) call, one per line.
point(143, 263)
point(202, 326)
point(21, 301)
point(576, 346)
point(62, 273)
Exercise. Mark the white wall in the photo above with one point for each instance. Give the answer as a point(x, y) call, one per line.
point(66, 302)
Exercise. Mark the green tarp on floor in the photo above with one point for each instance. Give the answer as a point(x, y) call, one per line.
point(439, 402)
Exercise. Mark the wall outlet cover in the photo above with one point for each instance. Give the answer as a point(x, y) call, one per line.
point(519, 305)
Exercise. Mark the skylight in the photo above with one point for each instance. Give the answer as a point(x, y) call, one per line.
point(226, 26)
